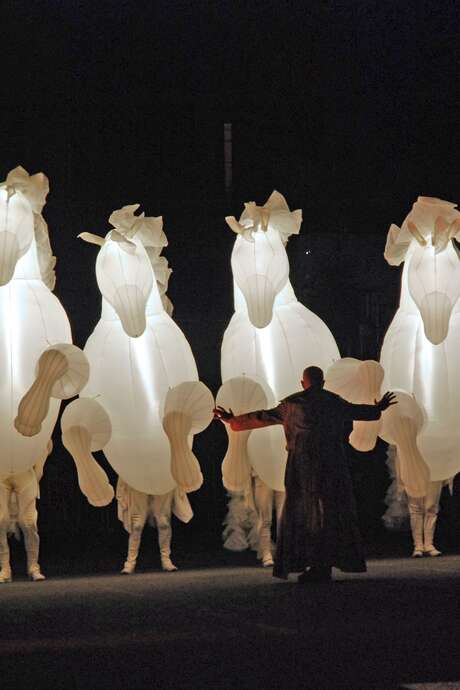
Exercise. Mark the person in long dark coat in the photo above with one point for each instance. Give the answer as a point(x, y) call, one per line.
point(319, 526)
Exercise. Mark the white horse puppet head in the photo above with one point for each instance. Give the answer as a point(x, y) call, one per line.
point(259, 261)
point(130, 272)
point(22, 197)
point(426, 242)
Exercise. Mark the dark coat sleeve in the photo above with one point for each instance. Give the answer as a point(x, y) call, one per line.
point(365, 413)
point(258, 419)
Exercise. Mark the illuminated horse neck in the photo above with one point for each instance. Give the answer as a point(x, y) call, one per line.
point(122, 309)
point(259, 261)
point(430, 285)
point(285, 296)
point(419, 351)
point(38, 263)
point(271, 337)
point(131, 274)
point(24, 241)
point(156, 403)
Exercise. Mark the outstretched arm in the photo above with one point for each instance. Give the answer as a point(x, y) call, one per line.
point(368, 413)
point(251, 420)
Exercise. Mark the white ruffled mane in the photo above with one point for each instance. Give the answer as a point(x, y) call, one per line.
point(149, 231)
point(35, 188)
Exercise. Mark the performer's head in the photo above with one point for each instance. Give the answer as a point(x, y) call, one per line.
point(312, 376)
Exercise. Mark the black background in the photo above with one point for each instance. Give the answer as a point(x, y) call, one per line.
point(348, 108)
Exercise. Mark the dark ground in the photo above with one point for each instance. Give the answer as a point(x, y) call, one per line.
point(223, 622)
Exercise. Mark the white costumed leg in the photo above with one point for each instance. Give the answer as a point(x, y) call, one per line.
point(430, 517)
point(27, 491)
point(279, 505)
point(162, 510)
point(263, 497)
point(132, 511)
point(416, 513)
point(5, 568)
point(134, 543)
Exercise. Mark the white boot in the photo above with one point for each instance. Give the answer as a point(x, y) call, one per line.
point(164, 541)
point(32, 544)
point(134, 543)
point(5, 576)
point(263, 497)
point(35, 573)
point(416, 524)
point(265, 546)
point(429, 527)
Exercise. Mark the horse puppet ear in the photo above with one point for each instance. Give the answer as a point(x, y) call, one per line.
point(287, 222)
point(397, 245)
point(239, 229)
point(91, 238)
point(276, 202)
point(127, 246)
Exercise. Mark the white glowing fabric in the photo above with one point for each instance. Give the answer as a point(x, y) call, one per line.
point(260, 271)
point(434, 285)
point(358, 382)
point(31, 317)
point(61, 372)
point(274, 356)
point(420, 349)
point(242, 394)
point(124, 276)
point(132, 375)
point(401, 425)
point(188, 410)
point(86, 428)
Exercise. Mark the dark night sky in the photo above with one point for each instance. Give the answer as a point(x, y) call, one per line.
point(350, 108)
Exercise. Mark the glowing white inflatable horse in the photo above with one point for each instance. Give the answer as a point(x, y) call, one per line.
point(145, 377)
point(271, 337)
point(39, 366)
point(420, 358)
point(420, 349)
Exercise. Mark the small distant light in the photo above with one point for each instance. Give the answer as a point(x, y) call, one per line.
point(308, 251)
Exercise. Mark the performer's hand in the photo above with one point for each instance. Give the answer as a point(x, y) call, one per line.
point(388, 399)
point(222, 414)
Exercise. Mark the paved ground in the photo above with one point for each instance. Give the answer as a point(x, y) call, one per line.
point(235, 627)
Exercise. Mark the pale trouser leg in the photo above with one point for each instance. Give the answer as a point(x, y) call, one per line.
point(132, 511)
point(279, 504)
point(263, 499)
point(430, 517)
point(416, 513)
point(162, 510)
point(134, 542)
point(5, 569)
point(26, 487)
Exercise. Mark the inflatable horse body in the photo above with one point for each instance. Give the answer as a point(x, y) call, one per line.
point(271, 337)
point(32, 322)
point(144, 376)
point(420, 350)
